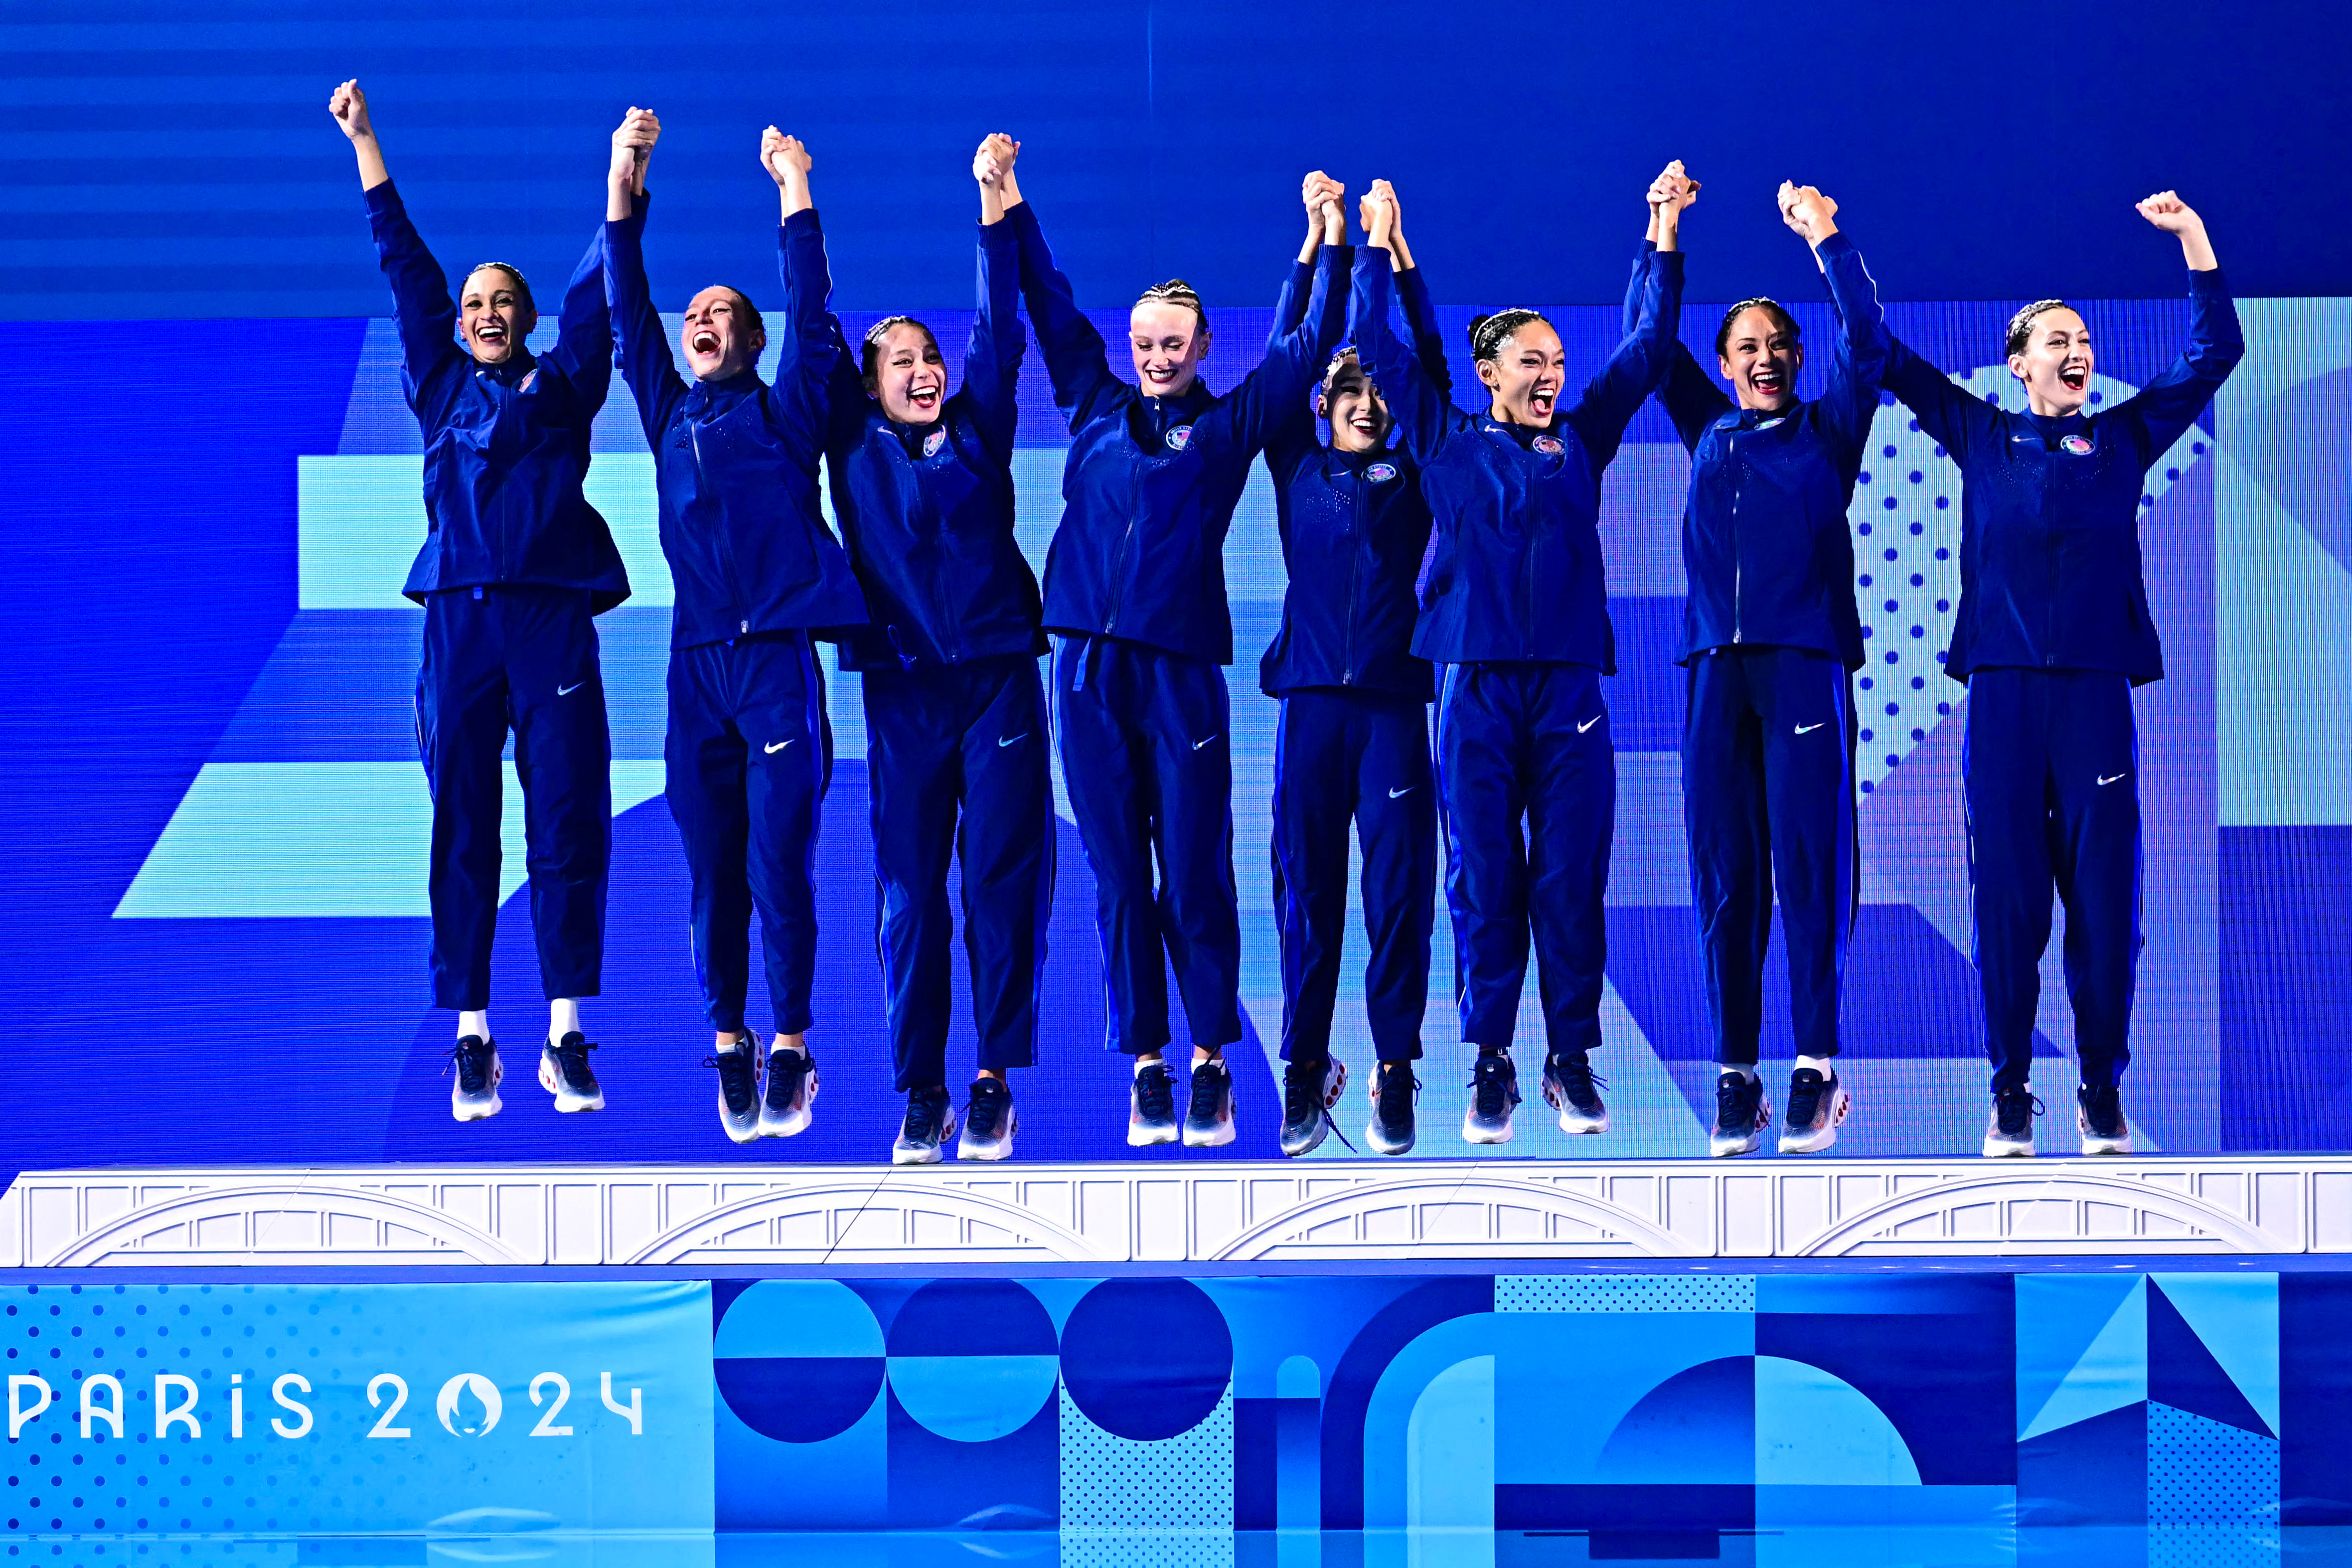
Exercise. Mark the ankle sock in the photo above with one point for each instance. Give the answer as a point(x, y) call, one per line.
point(474, 1024)
point(1825, 1065)
point(1745, 1069)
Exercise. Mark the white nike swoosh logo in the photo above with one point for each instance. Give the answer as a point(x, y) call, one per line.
point(1008, 739)
point(1398, 793)
point(1198, 744)
point(568, 690)
point(1588, 724)
point(2109, 780)
point(779, 746)
point(1808, 728)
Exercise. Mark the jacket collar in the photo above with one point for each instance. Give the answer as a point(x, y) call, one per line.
point(721, 393)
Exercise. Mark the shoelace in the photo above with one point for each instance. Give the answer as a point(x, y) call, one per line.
point(571, 1062)
point(989, 1099)
point(1493, 1085)
point(1155, 1092)
point(1302, 1096)
point(1805, 1091)
point(1578, 1081)
point(1735, 1102)
point(1210, 1086)
point(785, 1071)
point(738, 1078)
point(2015, 1109)
point(1393, 1093)
point(2103, 1108)
point(473, 1066)
point(925, 1109)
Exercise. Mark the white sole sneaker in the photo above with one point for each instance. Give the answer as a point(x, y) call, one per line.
point(794, 1122)
point(1814, 1139)
point(568, 1101)
point(1486, 1136)
point(2095, 1145)
point(480, 1107)
point(905, 1154)
point(998, 1148)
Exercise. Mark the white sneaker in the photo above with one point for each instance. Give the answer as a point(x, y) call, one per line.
point(1816, 1106)
point(1741, 1114)
point(1151, 1106)
point(792, 1084)
point(2099, 1117)
point(475, 1095)
point(1494, 1096)
point(739, 1089)
point(990, 1119)
point(1209, 1114)
point(563, 1072)
point(929, 1121)
point(2009, 1131)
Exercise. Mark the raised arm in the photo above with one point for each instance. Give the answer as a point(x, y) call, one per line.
point(1290, 437)
point(1955, 419)
point(422, 311)
point(1689, 396)
point(1859, 363)
point(1076, 359)
point(1611, 398)
point(1412, 292)
point(2168, 405)
point(810, 344)
point(643, 344)
point(991, 361)
point(1276, 390)
point(1418, 405)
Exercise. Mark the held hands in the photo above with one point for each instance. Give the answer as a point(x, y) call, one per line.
point(2176, 217)
point(1379, 211)
point(1672, 190)
point(787, 162)
point(349, 106)
point(633, 146)
point(1804, 209)
point(993, 165)
point(1325, 199)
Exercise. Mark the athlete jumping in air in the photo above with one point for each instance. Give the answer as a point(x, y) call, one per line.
point(1135, 591)
point(515, 567)
point(1515, 613)
point(1352, 740)
point(748, 753)
point(2053, 632)
point(955, 713)
point(1770, 640)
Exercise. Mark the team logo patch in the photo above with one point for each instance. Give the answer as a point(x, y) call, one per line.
point(530, 381)
point(1768, 423)
point(2078, 445)
point(933, 442)
point(1380, 473)
point(1180, 437)
point(1549, 446)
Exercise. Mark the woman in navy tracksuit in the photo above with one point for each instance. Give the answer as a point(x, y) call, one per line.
point(748, 753)
point(1770, 639)
point(1515, 611)
point(2053, 632)
point(955, 714)
point(515, 565)
point(1353, 738)
point(1135, 591)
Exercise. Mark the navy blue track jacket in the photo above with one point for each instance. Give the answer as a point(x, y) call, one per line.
point(1354, 528)
point(735, 460)
point(1765, 541)
point(2050, 561)
point(1514, 574)
point(1149, 487)
point(927, 510)
point(506, 446)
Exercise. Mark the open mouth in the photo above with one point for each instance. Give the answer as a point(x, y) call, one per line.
point(1539, 402)
point(1768, 382)
point(490, 333)
point(1364, 422)
point(706, 342)
point(923, 397)
point(2075, 378)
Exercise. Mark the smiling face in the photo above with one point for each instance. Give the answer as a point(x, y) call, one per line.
point(494, 315)
point(1760, 359)
point(907, 378)
point(1168, 341)
point(1359, 417)
point(2055, 362)
point(720, 338)
point(1526, 375)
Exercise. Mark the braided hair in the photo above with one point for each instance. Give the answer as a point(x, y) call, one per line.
point(869, 354)
point(1786, 323)
point(522, 284)
point(1488, 333)
point(1176, 292)
point(2020, 325)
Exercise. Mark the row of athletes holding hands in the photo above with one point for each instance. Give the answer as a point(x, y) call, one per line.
point(1434, 553)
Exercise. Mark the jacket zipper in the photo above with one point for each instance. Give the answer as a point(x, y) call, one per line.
point(1125, 541)
point(726, 545)
point(1739, 567)
point(1355, 584)
point(951, 638)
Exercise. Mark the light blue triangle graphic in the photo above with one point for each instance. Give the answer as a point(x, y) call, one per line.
point(2236, 1317)
point(2058, 1316)
point(2112, 1372)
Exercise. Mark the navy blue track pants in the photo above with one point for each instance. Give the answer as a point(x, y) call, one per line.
point(1768, 800)
point(1341, 755)
point(746, 761)
point(1527, 777)
point(971, 737)
point(2052, 771)
point(1147, 759)
point(521, 658)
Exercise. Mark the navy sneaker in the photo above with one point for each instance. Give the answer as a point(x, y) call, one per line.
point(739, 1089)
point(2008, 1134)
point(2099, 1116)
point(1816, 1106)
point(563, 1072)
point(1741, 1114)
point(1309, 1090)
point(1209, 1116)
point(989, 1121)
point(1395, 1092)
point(1151, 1106)
point(931, 1121)
point(1494, 1096)
point(475, 1095)
point(792, 1084)
point(1571, 1087)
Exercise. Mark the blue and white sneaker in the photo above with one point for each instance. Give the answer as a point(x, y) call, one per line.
point(563, 1072)
point(1395, 1091)
point(1209, 1114)
point(739, 1089)
point(1151, 1106)
point(791, 1084)
point(475, 1095)
point(1571, 1087)
point(1816, 1106)
point(2009, 1132)
point(1309, 1090)
point(2099, 1116)
point(1494, 1096)
point(989, 1121)
point(1741, 1114)
point(930, 1121)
